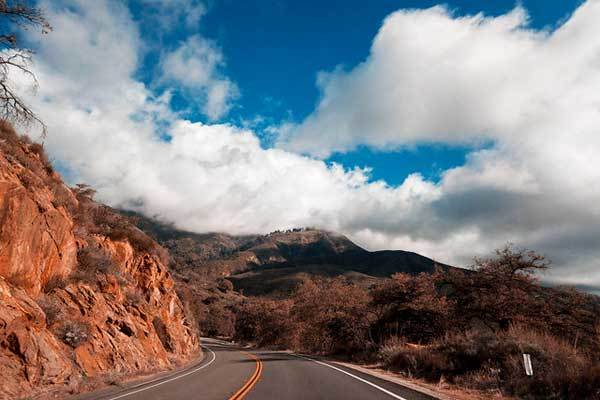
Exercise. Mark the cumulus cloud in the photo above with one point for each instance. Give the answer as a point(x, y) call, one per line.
point(194, 66)
point(430, 77)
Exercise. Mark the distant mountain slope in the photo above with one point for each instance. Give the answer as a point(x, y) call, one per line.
point(263, 264)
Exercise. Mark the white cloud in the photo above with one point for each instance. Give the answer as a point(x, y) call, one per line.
point(430, 77)
point(195, 65)
point(169, 12)
point(433, 78)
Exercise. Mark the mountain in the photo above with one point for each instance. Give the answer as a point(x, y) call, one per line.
point(85, 296)
point(277, 262)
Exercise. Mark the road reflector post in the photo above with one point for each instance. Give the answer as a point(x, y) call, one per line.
point(527, 364)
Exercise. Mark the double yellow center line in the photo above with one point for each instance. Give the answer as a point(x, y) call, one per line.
point(250, 382)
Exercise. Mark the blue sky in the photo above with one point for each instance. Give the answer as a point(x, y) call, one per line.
point(275, 48)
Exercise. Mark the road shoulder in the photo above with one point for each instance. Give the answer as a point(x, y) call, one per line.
point(378, 373)
point(129, 382)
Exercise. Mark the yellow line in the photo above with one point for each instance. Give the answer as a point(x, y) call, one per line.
point(251, 382)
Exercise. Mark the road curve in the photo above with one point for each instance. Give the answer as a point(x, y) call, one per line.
point(230, 373)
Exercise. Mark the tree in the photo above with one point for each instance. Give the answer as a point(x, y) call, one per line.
point(266, 322)
point(411, 307)
point(18, 14)
point(332, 316)
point(503, 290)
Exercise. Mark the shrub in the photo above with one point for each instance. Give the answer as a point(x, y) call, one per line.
point(29, 154)
point(51, 308)
point(55, 282)
point(265, 322)
point(326, 316)
point(38, 149)
point(102, 220)
point(74, 333)
point(93, 260)
point(410, 306)
point(560, 370)
point(493, 361)
point(332, 316)
point(217, 319)
point(503, 290)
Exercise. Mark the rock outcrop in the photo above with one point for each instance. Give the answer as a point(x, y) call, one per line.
point(83, 293)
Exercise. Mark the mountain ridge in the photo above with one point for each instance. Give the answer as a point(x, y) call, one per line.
point(249, 261)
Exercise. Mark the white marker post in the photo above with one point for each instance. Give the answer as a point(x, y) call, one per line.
point(527, 364)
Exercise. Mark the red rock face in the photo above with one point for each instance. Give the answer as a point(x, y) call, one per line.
point(29, 354)
point(37, 238)
point(57, 328)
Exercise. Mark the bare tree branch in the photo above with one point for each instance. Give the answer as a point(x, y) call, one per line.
point(15, 59)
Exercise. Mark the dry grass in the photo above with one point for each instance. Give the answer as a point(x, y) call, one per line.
point(493, 361)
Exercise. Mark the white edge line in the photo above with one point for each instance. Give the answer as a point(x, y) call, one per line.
point(169, 380)
point(351, 375)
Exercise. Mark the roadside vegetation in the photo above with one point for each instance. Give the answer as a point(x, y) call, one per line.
point(466, 327)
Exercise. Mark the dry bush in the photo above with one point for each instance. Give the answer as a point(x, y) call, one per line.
point(51, 307)
point(8, 133)
point(38, 149)
point(486, 360)
point(74, 333)
point(411, 307)
point(23, 151)
point(217, 319)
point(332, 317)
point(503, 290)
point(30, 180)
point(266, 323)
point(93, 260)
point(56, 282)
point(560, 369)
point(94, 218)
point(390, 347)
point(326, 316)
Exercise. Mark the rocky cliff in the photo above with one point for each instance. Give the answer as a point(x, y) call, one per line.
point(83, 293)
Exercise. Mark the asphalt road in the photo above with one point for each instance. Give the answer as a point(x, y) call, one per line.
point(230, 373)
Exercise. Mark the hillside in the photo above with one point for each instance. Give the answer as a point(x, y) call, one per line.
point(277, 262)
point(84, 295)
